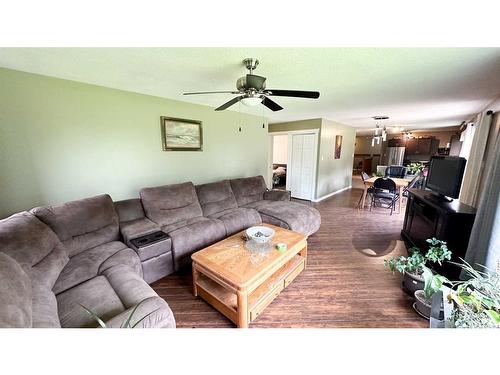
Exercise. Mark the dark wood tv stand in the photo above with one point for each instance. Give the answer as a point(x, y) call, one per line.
point(427, 216)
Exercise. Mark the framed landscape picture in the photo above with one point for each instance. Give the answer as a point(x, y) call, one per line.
point(181, 134)
point(338, 146)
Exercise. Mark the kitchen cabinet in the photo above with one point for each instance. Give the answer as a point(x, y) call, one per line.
point(422, 146)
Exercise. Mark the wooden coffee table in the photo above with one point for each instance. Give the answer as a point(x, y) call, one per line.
point(240, 283)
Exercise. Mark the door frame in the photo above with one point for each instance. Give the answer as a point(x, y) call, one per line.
point(290, 133)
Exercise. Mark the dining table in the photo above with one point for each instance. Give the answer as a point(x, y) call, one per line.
point(401, 183)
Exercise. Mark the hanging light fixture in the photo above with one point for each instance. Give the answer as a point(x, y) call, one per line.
point(377, 127)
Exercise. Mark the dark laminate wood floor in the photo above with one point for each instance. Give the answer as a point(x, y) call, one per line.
point(345, 283)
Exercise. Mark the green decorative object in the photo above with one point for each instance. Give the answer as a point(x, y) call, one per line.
point(281, 247)
point(415, 168)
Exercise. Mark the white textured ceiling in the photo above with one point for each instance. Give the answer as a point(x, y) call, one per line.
point(416, 87)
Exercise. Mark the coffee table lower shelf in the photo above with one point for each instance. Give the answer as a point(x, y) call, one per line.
point(226, 300)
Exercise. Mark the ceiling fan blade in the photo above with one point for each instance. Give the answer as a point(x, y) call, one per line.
point(272, 105)
point(293, 93)
point(229, 103)
point(211, 92)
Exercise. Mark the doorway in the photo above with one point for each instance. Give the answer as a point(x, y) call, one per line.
point(293, 161)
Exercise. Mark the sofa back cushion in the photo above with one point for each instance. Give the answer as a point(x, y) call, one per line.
point(169, 204)
point(129, 209)
point(15, 294)
point(216, 197)
point(26, 239)
point(248, 190)
point(82, 224)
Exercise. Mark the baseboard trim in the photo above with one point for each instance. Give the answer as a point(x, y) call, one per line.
point(331, 194)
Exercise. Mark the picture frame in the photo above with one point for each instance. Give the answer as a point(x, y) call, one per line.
point(338, 146)
point(181, 134)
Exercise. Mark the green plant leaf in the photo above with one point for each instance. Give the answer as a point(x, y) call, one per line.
point(144, 317)
point(126, 323)
point(94, 316)
point(493, 316)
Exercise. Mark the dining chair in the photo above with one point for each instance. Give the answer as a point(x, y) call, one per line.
point(364, 177)
point(415, 183)
point(385, 192)
point(395, 171)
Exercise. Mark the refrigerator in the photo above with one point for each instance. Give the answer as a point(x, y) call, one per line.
point(394, 156)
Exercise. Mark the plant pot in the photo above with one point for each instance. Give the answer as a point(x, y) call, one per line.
point(423, 306)
point(412, 282)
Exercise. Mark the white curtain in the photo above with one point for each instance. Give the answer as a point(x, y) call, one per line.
point(484, 243)
point(474, 145)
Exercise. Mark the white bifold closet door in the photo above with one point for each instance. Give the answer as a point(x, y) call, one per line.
point(303, 159)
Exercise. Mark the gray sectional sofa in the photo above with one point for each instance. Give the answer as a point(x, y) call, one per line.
point(55, 259)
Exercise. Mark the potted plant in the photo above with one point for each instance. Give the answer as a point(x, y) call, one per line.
point(476, 301)
point(423, 298)
point(412, 266)
point(415, 168)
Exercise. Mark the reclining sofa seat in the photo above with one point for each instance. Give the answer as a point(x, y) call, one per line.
point(89, 230)
point(274, 205)
point(31, 260)
point(218, 202)
point(176, 209)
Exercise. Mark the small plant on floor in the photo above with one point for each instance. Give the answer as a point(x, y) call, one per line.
point(438, 252)
point(415, 168)
point(476, 300)
point(127, 323)
point(412, 266)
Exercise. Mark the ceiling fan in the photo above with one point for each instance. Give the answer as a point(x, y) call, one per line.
point(251, 91)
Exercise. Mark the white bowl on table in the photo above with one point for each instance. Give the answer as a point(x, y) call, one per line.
point(260, 234)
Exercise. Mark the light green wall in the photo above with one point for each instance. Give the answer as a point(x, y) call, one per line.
point(334, 174)
point(62, 140)
point(295, 125)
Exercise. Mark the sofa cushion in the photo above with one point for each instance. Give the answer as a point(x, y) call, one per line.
point(238, 219)
point(82, 224)
point(45, 314)
point(192, 237)
point(15, 294)
point(26, 239)
point(171, 203)
point(92, 262)
point(129, 209)
point(95, 294)
point(278, 195)
point(290, 215)
point(216, 197)
point(182, 223)
point(249, 189)
point(47, 271)
point(112, 296)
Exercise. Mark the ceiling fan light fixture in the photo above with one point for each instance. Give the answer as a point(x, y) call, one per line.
point(252, 101)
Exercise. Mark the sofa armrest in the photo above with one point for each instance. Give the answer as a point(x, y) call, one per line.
point(152, 312)
point(277, 195)
point(137, 228)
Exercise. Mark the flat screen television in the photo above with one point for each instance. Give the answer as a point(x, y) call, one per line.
point(445, 176)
